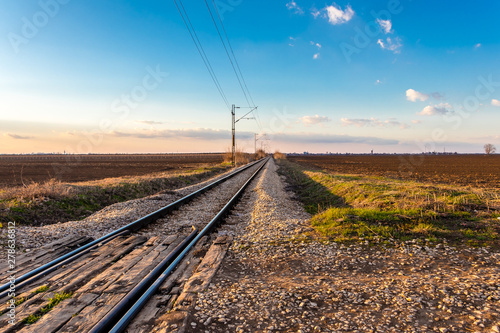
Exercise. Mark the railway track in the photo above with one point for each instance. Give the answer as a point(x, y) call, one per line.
point(129, 278)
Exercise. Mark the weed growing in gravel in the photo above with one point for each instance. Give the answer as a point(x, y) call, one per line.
point(347, 208)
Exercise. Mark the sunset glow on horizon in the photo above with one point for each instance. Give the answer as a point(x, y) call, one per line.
point(125, 77)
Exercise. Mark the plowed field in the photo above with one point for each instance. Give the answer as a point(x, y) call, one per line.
point(18, 169)
point(475, 170)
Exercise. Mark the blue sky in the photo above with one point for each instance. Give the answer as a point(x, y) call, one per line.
point(344, 76)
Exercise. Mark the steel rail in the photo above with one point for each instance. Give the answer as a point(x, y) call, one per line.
point(64, 262)
point(122, 307)
point(117, 313)
point(133, 226)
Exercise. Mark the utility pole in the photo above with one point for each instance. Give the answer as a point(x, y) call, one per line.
point(233, 147)
point(233, 127)
point(255, 144)
point(256, 139)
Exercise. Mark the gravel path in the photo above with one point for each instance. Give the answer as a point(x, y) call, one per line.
point(276, 279)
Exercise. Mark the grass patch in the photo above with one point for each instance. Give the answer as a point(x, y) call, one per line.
point(19, 301)
point(58, 298)
point(42, 289)
point(353, 208)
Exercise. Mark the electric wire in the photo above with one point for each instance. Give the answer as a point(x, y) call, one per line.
point(201, 51)
point(227, 52)
point(232, 52)
point(235, 61)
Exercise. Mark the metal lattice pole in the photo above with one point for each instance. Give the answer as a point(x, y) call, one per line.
point(233, 148)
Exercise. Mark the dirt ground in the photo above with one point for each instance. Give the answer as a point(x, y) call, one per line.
point(18, 169)
point(477, 170)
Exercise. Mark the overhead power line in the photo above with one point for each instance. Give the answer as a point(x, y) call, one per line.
point(244, 87)
point(227, 52)
point(232, 52)
point(201, 51)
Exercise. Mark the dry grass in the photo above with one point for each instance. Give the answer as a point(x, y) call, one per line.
point(260, 154)
point(240, 157)
point(34, 191)
point(279, 156)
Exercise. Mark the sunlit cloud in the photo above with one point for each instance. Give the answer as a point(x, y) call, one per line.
point(366, 122)
point(495, 102)
point(314, 120)
point(434, 110)
point(413, 96)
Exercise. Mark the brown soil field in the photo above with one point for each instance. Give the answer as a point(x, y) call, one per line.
point(468, 169)
point(16, 170)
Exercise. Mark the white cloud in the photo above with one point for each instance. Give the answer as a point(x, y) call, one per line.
point(318, 45)
point(393, 45)
point(315, 13)
point(338, 16)
point(378, 82)
point(292, 5)
point(314, 120)
point(365, 122)
point(415, 121)
point(386, 25)
point(495, 102)
point(478, 45)
point(413, 96)
point(439, 109)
